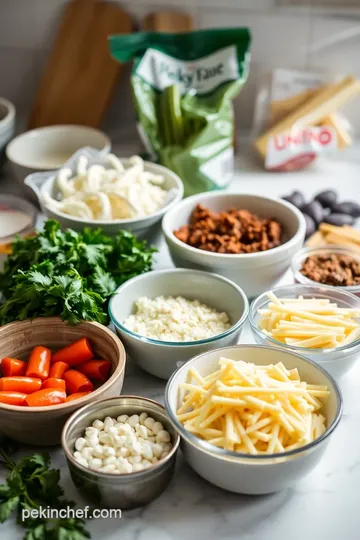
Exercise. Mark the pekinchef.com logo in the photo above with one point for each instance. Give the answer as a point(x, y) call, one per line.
point(46, 512)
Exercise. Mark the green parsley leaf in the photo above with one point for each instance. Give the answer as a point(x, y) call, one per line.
point(69, 274)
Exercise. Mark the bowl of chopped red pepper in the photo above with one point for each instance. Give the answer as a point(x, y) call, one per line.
point(48, 369)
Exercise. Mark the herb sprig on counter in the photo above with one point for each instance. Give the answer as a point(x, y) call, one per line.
point(31, 485)
point(69, 274)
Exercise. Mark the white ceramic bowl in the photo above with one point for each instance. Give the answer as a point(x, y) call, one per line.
point(48, 148)
point(162, 358)
point(243, 473)
point(7, 125)
point(336, 361)
point(253, 272)
point(42, 183)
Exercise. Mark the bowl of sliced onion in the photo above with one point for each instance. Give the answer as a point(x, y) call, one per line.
point(103, 191)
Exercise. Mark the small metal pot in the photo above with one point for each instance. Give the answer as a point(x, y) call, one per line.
point(119, 490)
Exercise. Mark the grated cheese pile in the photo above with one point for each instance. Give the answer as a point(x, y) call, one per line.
point(176, 319)
point(108, 193)
point(311, 323)
point(252, 409)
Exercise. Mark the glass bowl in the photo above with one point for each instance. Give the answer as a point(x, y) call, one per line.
point(306, 252)
point(337, 361)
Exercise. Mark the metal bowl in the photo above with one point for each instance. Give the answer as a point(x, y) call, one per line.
point(119, 490)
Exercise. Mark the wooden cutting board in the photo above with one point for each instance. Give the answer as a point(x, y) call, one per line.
point(80, 75)
point(168, 21)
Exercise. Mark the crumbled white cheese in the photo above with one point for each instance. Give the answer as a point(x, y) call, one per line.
point(176, 319)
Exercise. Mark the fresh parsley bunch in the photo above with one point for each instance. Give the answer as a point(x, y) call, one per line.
point(30, 485)
point(69, 274)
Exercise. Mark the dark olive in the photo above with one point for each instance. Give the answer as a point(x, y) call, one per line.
point(310, 226)
point(296, 198)
point(326, 198)
point(347, 207)
point(339, 219)
point(314, 210)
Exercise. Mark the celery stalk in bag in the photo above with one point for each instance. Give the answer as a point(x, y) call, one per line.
point(183, 87)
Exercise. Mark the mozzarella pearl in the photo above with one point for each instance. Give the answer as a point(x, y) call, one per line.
point(123, 445)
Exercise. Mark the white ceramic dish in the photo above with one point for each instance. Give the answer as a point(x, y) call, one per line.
point(48, 148)
point(42, 183)
point(336, 361)
point(242, 473)
point(161, 358)
point(7, 125)
point(253, 272)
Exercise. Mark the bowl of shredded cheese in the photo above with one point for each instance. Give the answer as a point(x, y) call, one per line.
point(103, 191)
point(165, 317)
point(320, 322)
point(253, 419)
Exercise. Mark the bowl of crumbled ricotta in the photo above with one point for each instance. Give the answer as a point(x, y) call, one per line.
point(166, 317)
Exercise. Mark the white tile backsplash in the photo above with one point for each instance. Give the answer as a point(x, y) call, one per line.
point(18, 26)
point(17, 81)
point(276, 39)
point(302, 37)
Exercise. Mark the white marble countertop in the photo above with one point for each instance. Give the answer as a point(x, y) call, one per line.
point(321, 506)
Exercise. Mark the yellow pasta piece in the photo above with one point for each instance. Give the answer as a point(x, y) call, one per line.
point(252, 409)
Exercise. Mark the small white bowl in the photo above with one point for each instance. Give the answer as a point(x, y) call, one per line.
point(253, 272)
point(162, 358)
point(7, 125)
point(42, 183)
point(243, 473)
point(48, 148)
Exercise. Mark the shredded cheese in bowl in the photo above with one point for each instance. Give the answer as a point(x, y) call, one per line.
point(309, 323)
point(106, 193)
point(176, 319)
point(252, 409)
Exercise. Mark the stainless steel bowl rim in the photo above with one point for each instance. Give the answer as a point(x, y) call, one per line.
point(234, 328)
point(113, 476)
point(308, 251)
point(300, 233)
point(236, 456)
point(350, 347)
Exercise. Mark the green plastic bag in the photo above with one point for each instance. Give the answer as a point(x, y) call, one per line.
point(183, 86)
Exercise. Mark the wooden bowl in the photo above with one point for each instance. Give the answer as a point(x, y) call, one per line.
point(43, 425)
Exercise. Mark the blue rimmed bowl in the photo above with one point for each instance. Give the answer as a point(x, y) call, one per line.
point(162, 358)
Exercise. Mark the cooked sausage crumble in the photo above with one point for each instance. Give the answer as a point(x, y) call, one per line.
point(234, 231)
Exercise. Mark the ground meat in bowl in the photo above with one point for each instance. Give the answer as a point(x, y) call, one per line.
point(233, 231)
